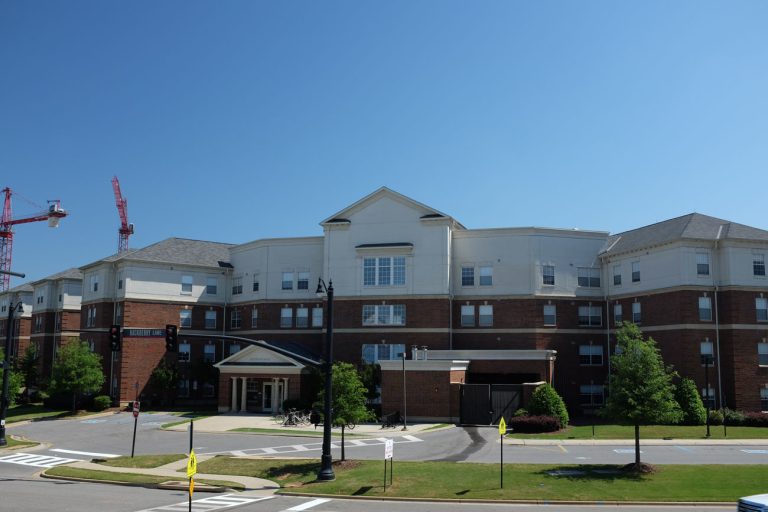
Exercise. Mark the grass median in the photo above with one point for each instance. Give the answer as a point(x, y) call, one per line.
point(450, 480)
point(649, 432)
point(129, 478)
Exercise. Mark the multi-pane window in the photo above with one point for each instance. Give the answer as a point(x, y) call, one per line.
point(550, 314)
point(617, 314)
point(591, 355)
point(212, 286)
point(705, 309)
point(184, 350)
point(617, 275)
point(467, 316)
point(382, 352)
point(317, 317)
point(186, 285)
point(708, 397)
point(254, 318)
point(486, 276)
point(636, 312)
point(302, 318)
point(185, 318)
point(590, 316)
point(287, 281)
point(702, 263)
point(237, 285)
point(235, 321)
point(303, 281)
point(286, 318)
point(467, 276)
point(591, 394)
point(255, 282)
point(90, 319)
point(761, 308)
point(635, 271)
point(548, 274)
point(762, 354)
point(706, 353)
point(485, 316)
point(210, 319)
point(764, 399)
point(384, 314)
point(209, 353)
point(758, 264)
point(589, 277)
point(384, 271)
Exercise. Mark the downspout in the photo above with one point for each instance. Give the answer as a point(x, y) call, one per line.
point(716, 279)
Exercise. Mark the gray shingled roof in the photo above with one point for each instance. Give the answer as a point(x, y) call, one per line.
point(180, 251)
point(693, 226)
point(70, 273)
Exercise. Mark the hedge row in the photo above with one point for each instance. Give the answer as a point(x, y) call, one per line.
point(534, 424)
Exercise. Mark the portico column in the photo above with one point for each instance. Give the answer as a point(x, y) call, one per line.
point(245, 393)
point(276, 405)
point(233, 408)
point(285, 389)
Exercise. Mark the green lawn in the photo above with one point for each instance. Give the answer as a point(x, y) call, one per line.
point(32, 412)
point(289, 432)
point(449, 480)
point(650, 432)
point(143, 461)
point(12, 442)
point(136, 478)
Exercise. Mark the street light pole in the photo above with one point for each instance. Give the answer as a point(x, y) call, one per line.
point(326, 461)
point(707, 359)
point(405, 413)
point(7, 370)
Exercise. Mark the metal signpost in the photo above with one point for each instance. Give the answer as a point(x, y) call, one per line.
point(135, 422)
point(502, 431)
point(389, 452)
point(191, 465)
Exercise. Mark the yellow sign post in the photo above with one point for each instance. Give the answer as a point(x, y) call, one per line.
point(502, 431)
point(191, 471)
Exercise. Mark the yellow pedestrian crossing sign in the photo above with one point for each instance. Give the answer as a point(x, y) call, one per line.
point(192, 464)
point(502, 426)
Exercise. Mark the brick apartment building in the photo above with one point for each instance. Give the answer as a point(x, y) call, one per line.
point(503, 308)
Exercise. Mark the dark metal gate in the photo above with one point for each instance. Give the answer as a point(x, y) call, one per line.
point(485, 404)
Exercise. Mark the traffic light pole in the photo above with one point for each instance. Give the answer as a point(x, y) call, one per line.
point(6, 371)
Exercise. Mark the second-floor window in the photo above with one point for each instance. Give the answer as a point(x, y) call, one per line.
point(702, 263)
point(382, 352)
point(303, 282)
point(485, 315)
point(618, 317)
point(758, 264)
point(286, 318)
point(467, 316)
point(286, 282)
point(635, 271)
point(550, 314)
point(317, 317)
point(762, 354)
point(185, 318)
point(186, 285)
point(705, 309)
point(210, 319)
point(384, 271)
point(617, 275)
point(384, 314)
point(209, 354)
point(212, 286)
point(235, 320)
point(467, 276)
point(636, 313)
point(237, 285)
point(591, 355)
point(302, 318)
point(761, 308)
point(548, 274)
point(486, 276)
point(94, 283)
point(590, 316)
point(589, 277)
point(184, 350)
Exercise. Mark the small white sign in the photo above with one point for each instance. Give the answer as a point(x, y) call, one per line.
point(389, 449)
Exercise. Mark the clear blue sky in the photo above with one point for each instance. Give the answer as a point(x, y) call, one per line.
point(238, 120)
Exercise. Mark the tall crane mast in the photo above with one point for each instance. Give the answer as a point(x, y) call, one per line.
point(125, 229)
point(53, 215)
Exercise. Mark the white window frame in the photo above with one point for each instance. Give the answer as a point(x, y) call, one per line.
point(550, 311)
point(637, 313)
point(185, 318)
point(486, 275)
point(286, 318)
point(373, 353)
point(591, 355)
point(705, 309)
point(592, 391)
point(209, 353)
point(185, 352)
point(762, 354)
point(237, 285)
point(467, 275)
point(255, 285)
point(210, 319)
point(254, 318)
point(761, 309)
point(592, 314)
point(758, 264)
point(302, 282)
point(618, 314)
point(211, 286)
point(702, 264)
point(384, 314)
point(235, 319)
point(588, 277)
point(467, 315)
point(234, 349)
point(302, 318)
point(485, 315)
point(706, 348)
point(635, 271)
point(617, 275)
point(548, 274)
point(187, 282)
point(95, 283)
point(286, 281)
point(384, 271)
point(317, 317)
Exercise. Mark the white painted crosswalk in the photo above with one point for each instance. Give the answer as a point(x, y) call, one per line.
point(209, 504)
point(308, 447)
point(39, 461)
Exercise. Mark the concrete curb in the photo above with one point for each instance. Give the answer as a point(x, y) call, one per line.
point(631, 442)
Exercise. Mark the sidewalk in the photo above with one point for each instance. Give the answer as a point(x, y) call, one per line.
point(631, 442)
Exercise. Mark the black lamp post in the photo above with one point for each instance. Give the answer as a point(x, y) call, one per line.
point(326, 461)
point(7, 369)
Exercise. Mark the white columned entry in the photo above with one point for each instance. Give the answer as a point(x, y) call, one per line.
point(285, 389)
point(245, 394)
point(276, 403)
point(233, 408)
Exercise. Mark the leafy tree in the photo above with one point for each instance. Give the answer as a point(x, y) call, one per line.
point(77, 370)
point(166, 377)
point(14, 381)
point(694, 412)
point(349, 399)
point(28, 368)
point(546, 402)
point(641, 390)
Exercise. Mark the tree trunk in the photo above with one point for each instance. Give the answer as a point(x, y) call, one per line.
point(637, 445)
point(343, 426)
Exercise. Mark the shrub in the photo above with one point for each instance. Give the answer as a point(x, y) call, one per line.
point(687, 396)
point(101, 402)
point(715, 417)
point(733, 418)
point(755, 419)
point(534, 424)
point(520, 412)
point(546, 402)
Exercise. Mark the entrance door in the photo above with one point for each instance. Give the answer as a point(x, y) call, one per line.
point(475, 404)
point(266, 397)
point(505, 400)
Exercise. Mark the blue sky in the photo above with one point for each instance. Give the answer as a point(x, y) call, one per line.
point(239, 120)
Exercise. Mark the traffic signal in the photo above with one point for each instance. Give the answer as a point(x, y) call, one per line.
point(171, 338)
point(115, 338)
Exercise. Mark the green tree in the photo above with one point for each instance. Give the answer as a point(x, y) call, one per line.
point(694, 412)
point(545, 401)
point(641, 390)
point(349, 399)
point(14, 381)
point(28, 367)
point(76, 370)
point(165, 376)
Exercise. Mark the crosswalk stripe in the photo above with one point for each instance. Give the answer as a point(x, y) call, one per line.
point(40, 461)
point(309, 504)
point(208, 504)
point(90, 454)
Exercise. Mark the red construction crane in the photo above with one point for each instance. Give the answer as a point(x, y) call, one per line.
point(52, 215)
point(126, 229)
